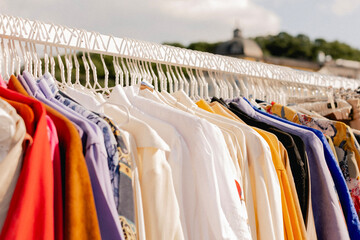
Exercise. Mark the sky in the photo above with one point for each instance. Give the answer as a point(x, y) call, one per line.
point(188, 21)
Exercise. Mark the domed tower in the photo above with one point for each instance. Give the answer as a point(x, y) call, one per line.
point(239, 46)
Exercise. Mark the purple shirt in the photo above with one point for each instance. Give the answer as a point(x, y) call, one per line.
point(95, 157)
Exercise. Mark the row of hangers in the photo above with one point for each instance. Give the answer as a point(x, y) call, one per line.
point(129, 71)
point(17, 55)
point(180, 69)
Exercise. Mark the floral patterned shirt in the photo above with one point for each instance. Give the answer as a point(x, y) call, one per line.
point(346, 147)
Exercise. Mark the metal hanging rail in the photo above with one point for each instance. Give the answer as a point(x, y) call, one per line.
point(16, 28)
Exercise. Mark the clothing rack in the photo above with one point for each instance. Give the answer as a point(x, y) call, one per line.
point(58, 36)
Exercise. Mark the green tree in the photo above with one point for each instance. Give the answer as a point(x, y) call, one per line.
point(174, 44)
point(204, 46)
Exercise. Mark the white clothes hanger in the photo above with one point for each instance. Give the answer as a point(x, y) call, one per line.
point(149, 77)
point(29, 57)
point(116, 70)
point(77, 69)
point(121, 71)
point(34, 67)
point(236, 88)
point(18, 59)
point(96, 84)
point(216, 87)
point(12, 57)
point(179, 78)
point(141, 71)
point(192, 84)
point(61, 84)
point(173, 78)
point(197, 86)
point(185, 81)
point(126, 72)
point(230, 87)
point(52, 62)
point(206, 86)
point(219, 83)
point(87, 72)
point(138, 71)
point(105, 89)
point(201, 84)
point(39, 62)
point(163, 77)
point(69, 66)
point(6, 60)
point(132, 71)
point(46, 59)
point(152, 74)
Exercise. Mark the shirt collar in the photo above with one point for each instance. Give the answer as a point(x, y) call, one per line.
point(118, 94)
point(246, 107)
point(181, 97)
point(151, 95)
point(145, 135)
point(28, 80)
point(24, 83)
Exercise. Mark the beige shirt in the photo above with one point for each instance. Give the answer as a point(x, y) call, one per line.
point(160, 206)
point(11, 161)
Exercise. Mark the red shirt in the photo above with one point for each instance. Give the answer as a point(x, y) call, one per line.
point(31, 211)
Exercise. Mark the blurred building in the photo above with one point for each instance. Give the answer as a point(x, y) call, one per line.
point(244, 48)
point(240, 47)
point(342, 67)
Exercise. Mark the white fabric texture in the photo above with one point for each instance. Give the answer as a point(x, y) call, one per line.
point(212, 195)
point(261, 184)
point(10, 164)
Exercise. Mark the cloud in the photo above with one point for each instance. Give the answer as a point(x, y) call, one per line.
point(344, 7)
point(158, 20)
point(224, 14)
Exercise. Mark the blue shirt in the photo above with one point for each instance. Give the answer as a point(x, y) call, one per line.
point(327, 216)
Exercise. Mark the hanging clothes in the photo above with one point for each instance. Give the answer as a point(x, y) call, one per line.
point(319, 153)
point(33, 197)
point(291, 218)
point(142, 164)
point(13, 135)
point(346, 146)
point(80, 217)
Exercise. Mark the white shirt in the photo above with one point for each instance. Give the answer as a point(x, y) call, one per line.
point(7, 129)
point(262, 188)
point(213, 202)
point(10, 163)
